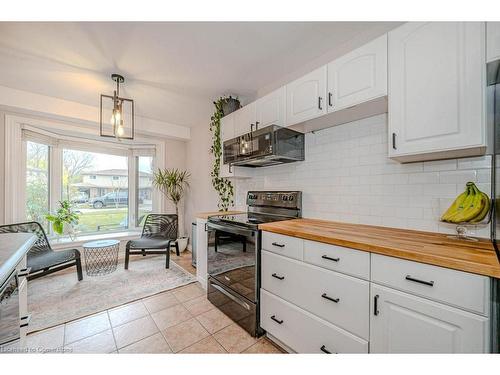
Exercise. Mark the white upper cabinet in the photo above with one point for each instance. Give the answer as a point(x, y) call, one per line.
point(305, 97)
point(402, 323)
point(436, 90)
point(244, 119)
point(271, 109)
point(359, 76)
point(492, 41)
point(227, 127)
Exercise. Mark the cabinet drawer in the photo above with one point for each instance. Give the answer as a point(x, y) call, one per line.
point(337, 258)
point(284, 245)
point(339, 299)
point(302, 331)
point(457, 288)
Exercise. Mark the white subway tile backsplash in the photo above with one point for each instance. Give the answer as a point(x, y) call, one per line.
point(440, 165)
point(348, 177)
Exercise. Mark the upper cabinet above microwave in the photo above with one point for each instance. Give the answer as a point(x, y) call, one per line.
point(359, 76)
point(305, 97)
point(492, 41)
point(436, 90)
point(271, 109)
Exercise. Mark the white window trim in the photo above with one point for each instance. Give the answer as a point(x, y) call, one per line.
point(15, 162)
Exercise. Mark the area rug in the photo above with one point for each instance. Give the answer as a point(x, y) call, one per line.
point(60, 297)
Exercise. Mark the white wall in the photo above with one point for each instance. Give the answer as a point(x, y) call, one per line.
point(201, 195)
point(347, 177)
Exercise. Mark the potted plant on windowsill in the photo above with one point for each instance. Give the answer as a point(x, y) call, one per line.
point(173, 183)
point(65, 219)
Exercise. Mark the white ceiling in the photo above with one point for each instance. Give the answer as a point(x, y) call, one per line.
point(173, 70)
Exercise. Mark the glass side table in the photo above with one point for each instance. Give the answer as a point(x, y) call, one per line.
point(101, 257)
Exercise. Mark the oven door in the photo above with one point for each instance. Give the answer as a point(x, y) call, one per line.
point(232, 259)
point(9, 310)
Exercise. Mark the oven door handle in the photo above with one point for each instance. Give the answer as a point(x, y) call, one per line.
point(245, 305)
point(230, 229)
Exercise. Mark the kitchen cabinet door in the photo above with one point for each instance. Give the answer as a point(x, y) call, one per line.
point(227, 127)
point(305, 97)
point(359, 76)
point(492, 41)
point(436, 90)
point(271, 109)
point(403, 323)
point(243, 119)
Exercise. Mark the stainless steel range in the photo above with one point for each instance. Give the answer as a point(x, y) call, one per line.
point(234, 255)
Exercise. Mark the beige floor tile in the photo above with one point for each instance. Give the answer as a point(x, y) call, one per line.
point(189, 292)
point(101, 343)
point(86, 327)
point(198, 305)
point(214, 320)
point(160, 302)
point(234, 338)
point(185, 334)
point(263, 346)
point(206, 346)
point(134, 331)
point(171, 316)
point(150, 345)
point(47, 339)
point(127, 313)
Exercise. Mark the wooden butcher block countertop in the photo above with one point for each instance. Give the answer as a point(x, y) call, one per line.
point(425, 247)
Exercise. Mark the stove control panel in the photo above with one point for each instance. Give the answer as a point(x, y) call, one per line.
point(283, 199)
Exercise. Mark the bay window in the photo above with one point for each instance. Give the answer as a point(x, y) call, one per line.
point(109, 185)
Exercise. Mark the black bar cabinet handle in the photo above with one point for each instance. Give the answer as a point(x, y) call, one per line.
point(278, 277)
point(429, 283)
point(278, 244)
point(251, 128)
point(325, 350)
point(276, 320)
point(329, 258)
point(24, 272)
point(394, 141)
point(319, 103)
point(257, 125)
point(330, 99)
point(375, 305)
point(325, 296)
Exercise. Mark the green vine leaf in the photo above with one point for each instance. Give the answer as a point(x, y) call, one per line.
point(222, 186)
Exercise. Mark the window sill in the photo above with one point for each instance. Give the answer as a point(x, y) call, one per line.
point(66, 242)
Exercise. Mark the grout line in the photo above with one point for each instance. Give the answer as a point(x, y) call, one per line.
point(112, 331)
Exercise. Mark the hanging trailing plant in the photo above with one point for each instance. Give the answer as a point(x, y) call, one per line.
point(222, 186)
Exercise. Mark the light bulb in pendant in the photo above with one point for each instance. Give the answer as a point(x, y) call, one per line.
point(120, 130)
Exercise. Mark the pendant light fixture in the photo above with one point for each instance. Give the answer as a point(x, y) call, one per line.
point(120, 111)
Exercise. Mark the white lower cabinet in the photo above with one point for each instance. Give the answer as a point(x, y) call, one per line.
point(341, 300)
point(302, 331)
point(419, 308)
point(404, 323)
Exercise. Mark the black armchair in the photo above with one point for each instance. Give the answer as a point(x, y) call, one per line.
point(158, 235)
point(42, 260)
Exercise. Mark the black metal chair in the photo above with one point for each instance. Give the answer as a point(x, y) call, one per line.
point(158, 235)
point(42, 260)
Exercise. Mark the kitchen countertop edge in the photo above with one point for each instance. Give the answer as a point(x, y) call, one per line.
point(22, 245)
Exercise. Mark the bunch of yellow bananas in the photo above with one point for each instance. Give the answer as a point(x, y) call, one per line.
point(471, 206)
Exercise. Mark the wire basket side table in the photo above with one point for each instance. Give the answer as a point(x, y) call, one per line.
point(101, 257)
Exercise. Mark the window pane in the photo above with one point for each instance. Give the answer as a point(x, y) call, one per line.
point(97, 184)
point(37, 183)
point(144, 189)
